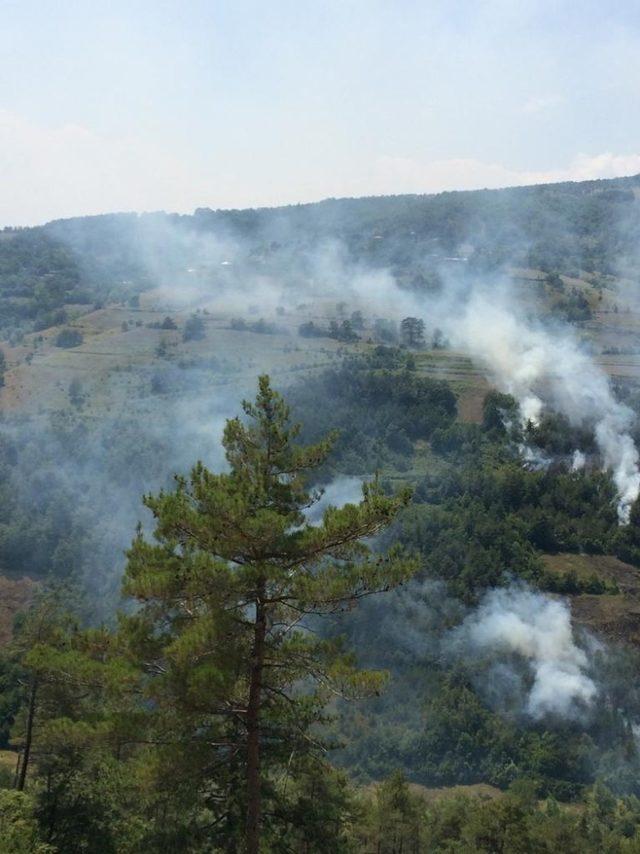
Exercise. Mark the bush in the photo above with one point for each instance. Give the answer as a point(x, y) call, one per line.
point(75, 392)
point(69, 338)
point(194, 329)
point(310, 330)
point(18, 827)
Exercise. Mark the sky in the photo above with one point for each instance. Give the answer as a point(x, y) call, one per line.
point(178, 104)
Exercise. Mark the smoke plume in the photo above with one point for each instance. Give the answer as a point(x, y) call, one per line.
point(541, 366)
point(517, 626)
point(343, 490)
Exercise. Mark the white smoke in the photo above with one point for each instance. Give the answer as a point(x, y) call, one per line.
point(578, 461)
point(534, 458)
point(537, 629)
point(621, 456)
point(343, 490)
point(537, 366)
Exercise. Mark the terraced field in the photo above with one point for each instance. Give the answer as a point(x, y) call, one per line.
point(120, 352)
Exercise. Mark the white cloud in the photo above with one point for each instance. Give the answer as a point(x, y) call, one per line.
point(406, 175)
point(541, 104)
point(70, 170)
point(46, 173)
point(607, 165)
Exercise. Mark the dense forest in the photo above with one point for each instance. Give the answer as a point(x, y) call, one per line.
point(140, 736)
point(377, 606)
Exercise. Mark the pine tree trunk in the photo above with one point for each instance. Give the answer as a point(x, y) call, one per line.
point(31, 712)
point(252, 834)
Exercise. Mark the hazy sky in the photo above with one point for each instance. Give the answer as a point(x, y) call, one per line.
point(160, 104)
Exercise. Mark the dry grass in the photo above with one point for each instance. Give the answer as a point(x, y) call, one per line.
point(617, 617)
point(8, 759)
point(605, 567)
point(114, 366)
point(475, 790)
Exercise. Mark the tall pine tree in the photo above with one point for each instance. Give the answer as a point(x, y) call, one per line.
point(230, 593)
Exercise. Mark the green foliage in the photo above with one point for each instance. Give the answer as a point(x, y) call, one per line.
point(141, 739)
point(37, 276)
point(342, 331)
point(68, 729)
point(378, 413)
point(69, 338)
point(11, 694)
point(569, 584)
point(175, 765)
point(393, 819)
point(318, 811)
point(499, 410)
point(385, 330)
point(226, 660)
point(486, 516)
point(19, 832)
point(194, 328)
point(412, 332)
point(557, 228)
point(44, 530)
point(515, 823)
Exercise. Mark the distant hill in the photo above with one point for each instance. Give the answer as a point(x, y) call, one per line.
point(591, 226)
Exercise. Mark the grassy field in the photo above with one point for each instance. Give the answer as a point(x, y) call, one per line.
point(117, 358)
point(120, 351)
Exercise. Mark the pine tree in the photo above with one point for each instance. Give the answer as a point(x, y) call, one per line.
point(44, 629)
point(70, 729)
point(230, 593)
point(412, 332)
point(18, 828)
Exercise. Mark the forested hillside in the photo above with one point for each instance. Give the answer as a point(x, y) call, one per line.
point(392, 602)
point(560, 228)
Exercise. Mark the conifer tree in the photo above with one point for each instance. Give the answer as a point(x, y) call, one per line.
point(230, 593)
point(412, 331)
point(43, 630)
point(76, 702)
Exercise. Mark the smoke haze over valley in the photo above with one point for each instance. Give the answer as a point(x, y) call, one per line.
point(320, 428)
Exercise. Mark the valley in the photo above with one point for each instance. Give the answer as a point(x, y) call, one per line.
point(498, 658)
